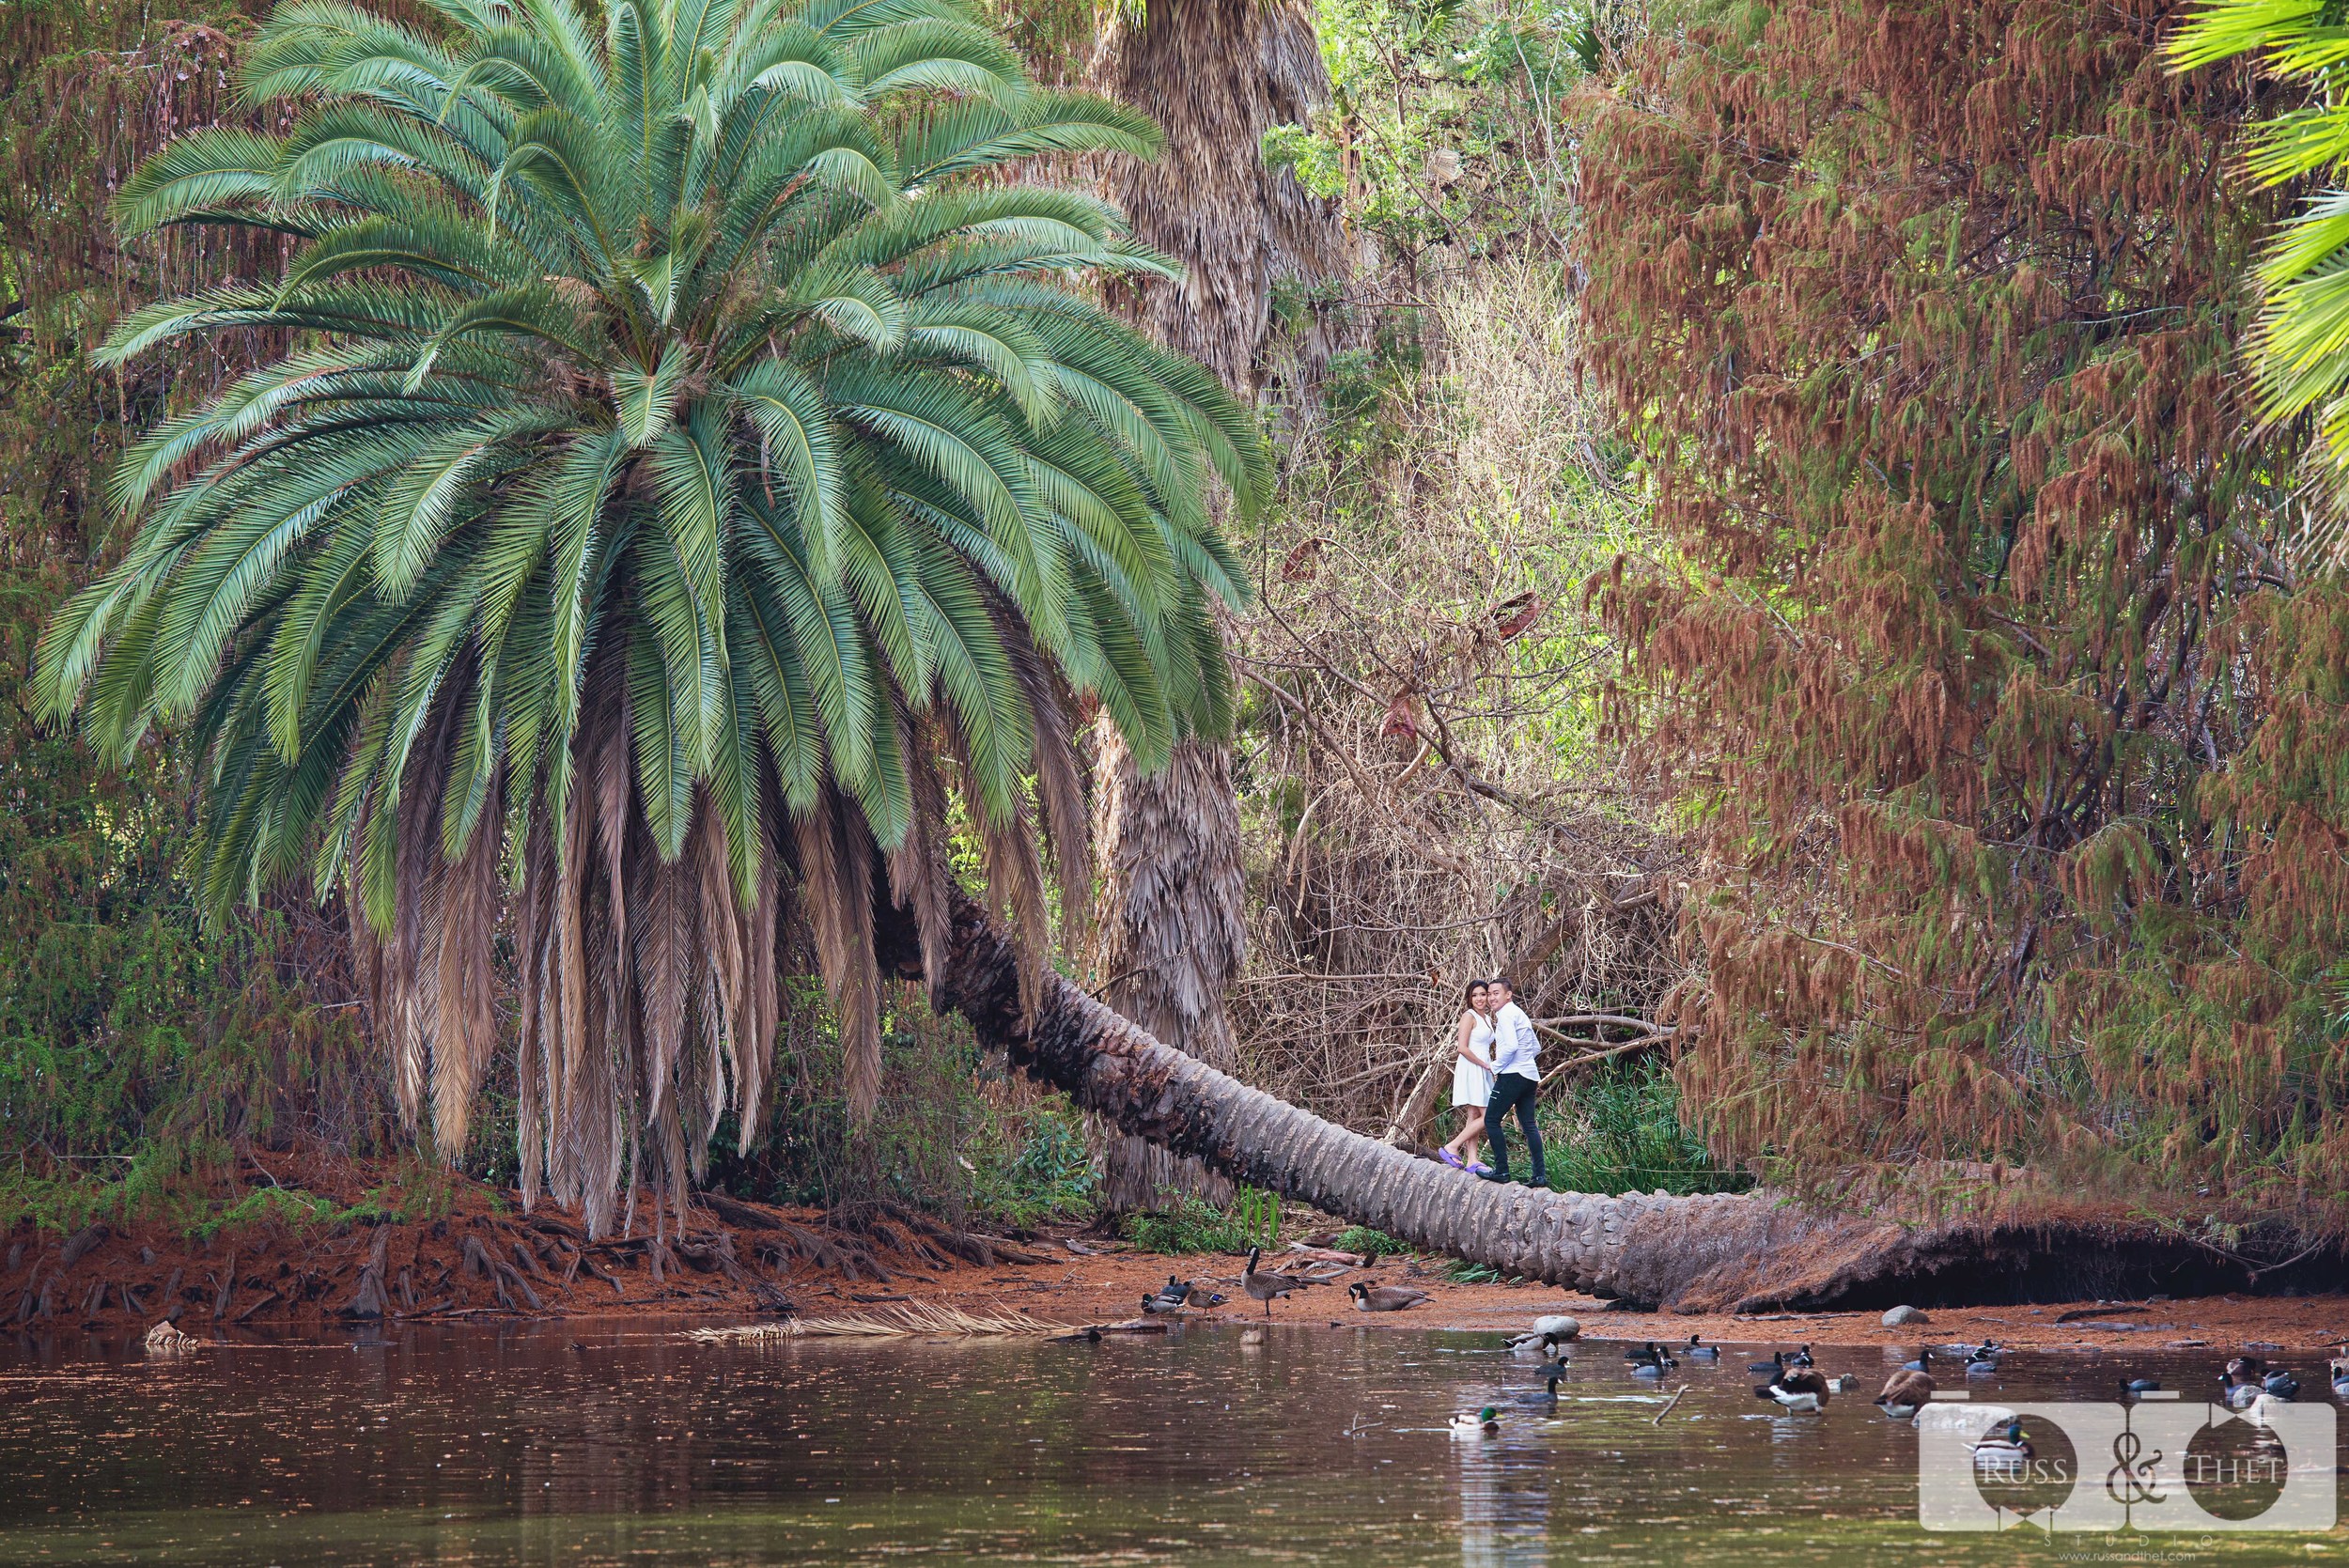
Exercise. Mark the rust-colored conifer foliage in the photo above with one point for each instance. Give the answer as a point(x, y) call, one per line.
point(2018, 754)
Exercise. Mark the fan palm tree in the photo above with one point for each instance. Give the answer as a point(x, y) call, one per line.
point(689, 485)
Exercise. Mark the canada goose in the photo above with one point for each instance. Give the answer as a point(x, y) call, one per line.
point(1699, 1351)
point(1484, 1423)
point(2338, 1370)
point(1803, 1388)
point(2004, 1447)
point(1904, 1392)
point(1550, 1372)
point(1385, 1298)
point(1268, 1288)
point(1548, 1333)
point(2281, 1385)
point(1651, 1360)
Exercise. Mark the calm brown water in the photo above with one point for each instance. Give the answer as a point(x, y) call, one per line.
point(464, 1445)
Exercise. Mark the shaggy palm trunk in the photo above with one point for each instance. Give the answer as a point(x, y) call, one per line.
point(1696, 1254)
point(1217, 74)
point(1170, 936)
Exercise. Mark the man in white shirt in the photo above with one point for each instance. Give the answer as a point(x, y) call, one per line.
point(1517, 1073)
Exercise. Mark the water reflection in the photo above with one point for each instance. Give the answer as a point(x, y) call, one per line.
point(563, 1443)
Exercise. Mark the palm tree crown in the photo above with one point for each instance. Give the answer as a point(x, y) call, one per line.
point(690, 477)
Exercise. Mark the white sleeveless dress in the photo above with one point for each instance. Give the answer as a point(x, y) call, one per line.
point(1470, 1083)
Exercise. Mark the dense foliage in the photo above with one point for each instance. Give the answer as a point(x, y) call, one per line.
point(2014, 746)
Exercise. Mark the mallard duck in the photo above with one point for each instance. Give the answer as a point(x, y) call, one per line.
point(2241, 1382)
point(1983, 1360)
point(1385, 1298)
point(1267, 1288)
point(1800, 1357)
point(1170, 1299)
point(1904, 1392)
point(1547, 1333)
point(1803, 1388)
point(2280, 1385)
point(2338, 1370)
point(2005, 1448)
point(1697, 1351)
point(1484, 1423)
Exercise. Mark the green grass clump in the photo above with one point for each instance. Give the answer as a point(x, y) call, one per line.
point(1362, 1238)
point(1194, 1226)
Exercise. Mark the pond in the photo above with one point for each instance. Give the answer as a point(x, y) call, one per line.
point(566, 1443)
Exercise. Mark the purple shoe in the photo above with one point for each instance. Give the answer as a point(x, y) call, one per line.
point(1450, 1159)
point(1480, 1168)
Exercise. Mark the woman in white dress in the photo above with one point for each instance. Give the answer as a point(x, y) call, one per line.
point(1472, 1078)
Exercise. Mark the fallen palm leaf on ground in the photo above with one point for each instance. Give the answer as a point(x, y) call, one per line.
point(914, 1318)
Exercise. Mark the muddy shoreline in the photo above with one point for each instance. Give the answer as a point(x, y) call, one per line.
point(480, 1258)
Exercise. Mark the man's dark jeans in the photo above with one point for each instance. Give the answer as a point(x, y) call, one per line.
point(1514, 1090)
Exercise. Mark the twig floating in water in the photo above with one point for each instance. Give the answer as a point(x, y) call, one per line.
point(1668, 1405)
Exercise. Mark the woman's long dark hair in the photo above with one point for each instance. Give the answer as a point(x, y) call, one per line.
point(1468, 995)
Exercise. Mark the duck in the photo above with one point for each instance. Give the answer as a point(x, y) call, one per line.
point(1697, 1351)
point(1550, 1372)
point(1170, 1299)
point(2241, 1382)
point(1804, 1388)
point(2338, 1370)
point(1385, 1298)
point(2005, 1448)
point(1922, 1363)
point(1801, 1357)
point(1267, 1288)
point(2137, 1386)
point(1983, 1360)
point(1905, 1393)
point(1484, 1423)
point(1650, 1361)
point(1844, 1383)
point(1548, 1333)
point(2280, 1385)
point(1776, 1364)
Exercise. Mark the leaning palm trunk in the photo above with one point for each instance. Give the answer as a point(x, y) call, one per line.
point(1171, 933)
point(1709, 1253)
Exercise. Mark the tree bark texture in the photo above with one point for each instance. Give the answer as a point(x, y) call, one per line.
point(1171, 931)
point(1716, 1253)
point(1218, 74)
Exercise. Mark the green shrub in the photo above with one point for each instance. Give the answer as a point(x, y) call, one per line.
point(1194, 1226)
point(1622, 1132)
point(1362, 1238)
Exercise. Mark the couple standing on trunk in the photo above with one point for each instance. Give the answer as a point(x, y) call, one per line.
point(1497, 1070)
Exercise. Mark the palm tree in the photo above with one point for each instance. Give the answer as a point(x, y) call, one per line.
point(688, 487)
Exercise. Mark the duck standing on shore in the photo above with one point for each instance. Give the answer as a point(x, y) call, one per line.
point(1268, 1288)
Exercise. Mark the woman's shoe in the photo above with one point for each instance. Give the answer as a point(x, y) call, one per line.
point(1450, 1159)
point(1478, 1168)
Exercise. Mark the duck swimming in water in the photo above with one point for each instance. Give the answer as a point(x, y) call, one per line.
point(2338, 1370)
point(1695, 1351)
point(1550, 1372)
point(1800, 1389)
point(1484, 1423)
point(1650, 1361)
point(2006, 1447)
point(1905, 1393)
